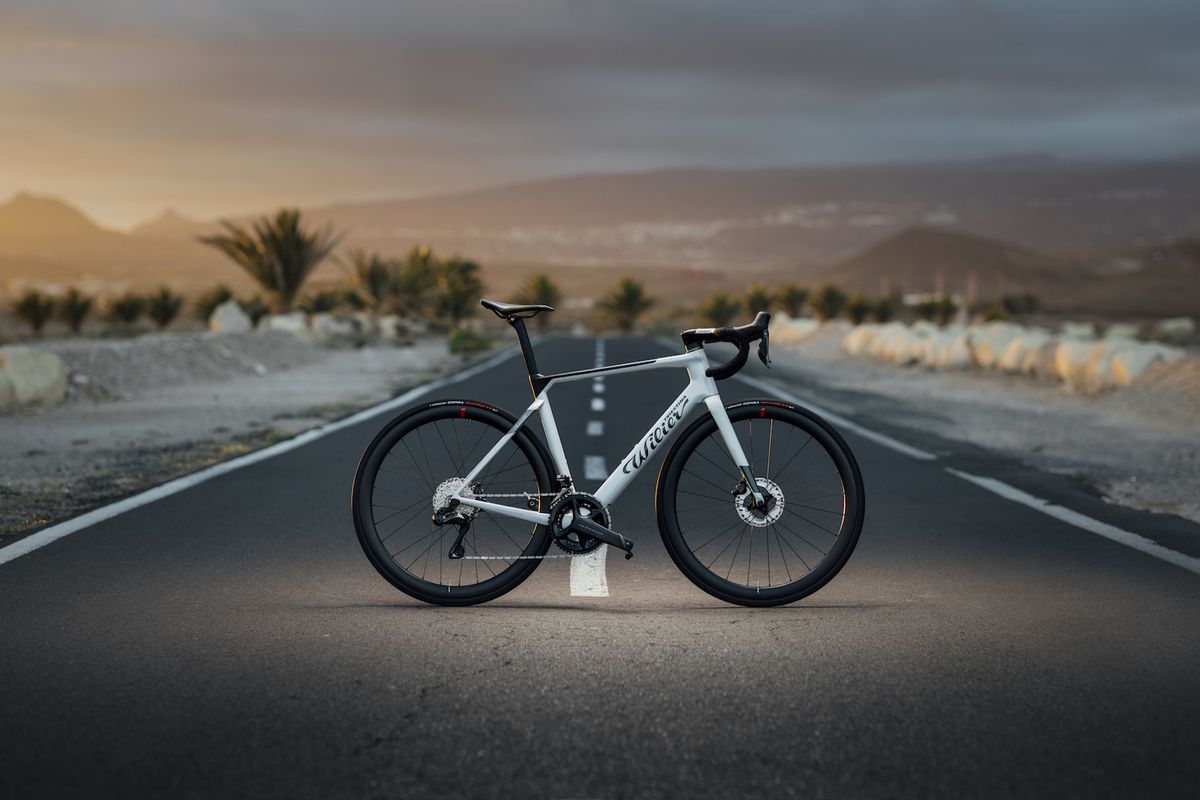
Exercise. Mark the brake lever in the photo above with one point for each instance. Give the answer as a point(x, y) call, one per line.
point(764, 354)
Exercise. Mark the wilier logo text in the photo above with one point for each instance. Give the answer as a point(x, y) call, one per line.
point(655, 437)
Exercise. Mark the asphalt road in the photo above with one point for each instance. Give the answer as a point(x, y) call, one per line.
point(232, 641)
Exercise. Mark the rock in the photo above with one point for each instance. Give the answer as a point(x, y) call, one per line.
point(394, 329)
point(1012, 358)
point(1131, 359)
point(1078, 331)
point(794, 331)
point(859, 339)
point(1177, 329)
point(988, 342)
point(329, 330)
point(956, 354)
point(1098, 373)
point(366, 324)
point(1124, 331)
point(8, 392)
point(1070, 361)
point(1038, 362)
point(295, 323)
point(36, 376)
point(879, 344)
point(229, 318)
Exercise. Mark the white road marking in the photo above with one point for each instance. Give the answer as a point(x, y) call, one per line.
point(1082, 521)
point(594, 469)
point(56, 532)
point(588, 577)
point(838, 419)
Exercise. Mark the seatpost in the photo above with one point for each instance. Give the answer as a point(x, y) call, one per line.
point(518, 324)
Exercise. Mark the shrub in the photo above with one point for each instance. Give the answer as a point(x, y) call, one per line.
point(858, 308)
point(758, 298)
point(373, 281)
point(827, 303)
point(207, 303)
point(163, 307)
point(792, 298)
point(720, 309)
point(464, 341)
point(255, 307)
point(884, 310)
point(459, 289)
point(540, 289)
point(319, 302)
point(625, 304)
point(34, 309)
point(125, 311)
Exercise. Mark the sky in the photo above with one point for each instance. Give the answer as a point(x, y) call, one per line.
point(126, 107)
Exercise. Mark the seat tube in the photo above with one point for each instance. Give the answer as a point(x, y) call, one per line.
point(550, 428)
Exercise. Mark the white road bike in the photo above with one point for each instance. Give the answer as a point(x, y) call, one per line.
point(759, 502)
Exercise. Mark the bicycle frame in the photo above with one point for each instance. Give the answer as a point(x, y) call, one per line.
point(700, 389)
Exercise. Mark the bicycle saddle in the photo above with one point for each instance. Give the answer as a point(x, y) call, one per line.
point(510, 310)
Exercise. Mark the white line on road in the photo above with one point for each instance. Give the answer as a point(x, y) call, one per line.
point(1118, 535)
point(588, 575)
point(594, 469)
point(838, 419)
point(56, 532)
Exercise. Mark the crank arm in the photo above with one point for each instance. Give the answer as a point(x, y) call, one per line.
point(586, 526)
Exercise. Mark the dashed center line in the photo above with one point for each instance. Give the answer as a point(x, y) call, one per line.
point(588, 576)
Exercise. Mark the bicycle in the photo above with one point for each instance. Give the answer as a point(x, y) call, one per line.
point(491, 521)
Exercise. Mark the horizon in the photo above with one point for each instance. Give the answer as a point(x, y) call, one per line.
point(128, 107)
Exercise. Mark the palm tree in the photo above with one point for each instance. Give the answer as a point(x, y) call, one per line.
point(74, 308)
point(125, 311)
point(163, 307)
point(540, 290)
point(416, 278)
point(827, 302)
point(319, 302)
point(858, 308)
point(626, 303)
point(35, 309)
point(207, 303)
point(719, 309)
point(277, 252)
point(885, 309)
point(373, 278)
point(758, 298)
point(459, 289)
point(792, 298)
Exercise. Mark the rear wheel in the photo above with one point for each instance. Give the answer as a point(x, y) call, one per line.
point(409, 472)
point(761, 556)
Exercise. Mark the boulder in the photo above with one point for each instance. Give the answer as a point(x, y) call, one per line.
point(956, 354)
point(1012, 358)
point(1176, 329)
point(987, 342)
point(1078, 331)
point(1131, 359)
point(1098, 373)
point(880, 343)
point(295, 323)
point(859, 340)
point(36, 376)
point(794, 331)
point(1123, 331)
point(392, 328)
point(366, 324)
point(229, 318)
point(1039, 362)
point(1070, 361)
point(329, 330)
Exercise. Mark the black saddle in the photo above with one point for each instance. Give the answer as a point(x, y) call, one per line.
point(514, 310)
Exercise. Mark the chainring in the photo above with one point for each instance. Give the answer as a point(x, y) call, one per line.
point(560, 516)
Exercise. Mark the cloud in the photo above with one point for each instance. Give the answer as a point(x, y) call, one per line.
point(218, 106)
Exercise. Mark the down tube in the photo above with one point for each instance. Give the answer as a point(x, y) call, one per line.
point(689, 399)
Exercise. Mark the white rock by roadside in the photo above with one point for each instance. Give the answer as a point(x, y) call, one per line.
point(37, 377)
point(229, 318)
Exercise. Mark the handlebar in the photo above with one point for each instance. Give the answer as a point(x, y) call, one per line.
point(742, 336)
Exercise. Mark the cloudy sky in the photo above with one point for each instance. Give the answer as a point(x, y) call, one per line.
point(219, 106)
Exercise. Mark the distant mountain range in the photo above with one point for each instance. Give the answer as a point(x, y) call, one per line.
point(1075, 230)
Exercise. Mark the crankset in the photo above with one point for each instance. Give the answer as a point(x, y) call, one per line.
point(579, 524)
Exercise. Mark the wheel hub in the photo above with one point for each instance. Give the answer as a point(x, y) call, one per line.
point(773, 504)
point(447, 489)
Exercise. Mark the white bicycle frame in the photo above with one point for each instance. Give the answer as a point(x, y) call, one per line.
point(700, 389)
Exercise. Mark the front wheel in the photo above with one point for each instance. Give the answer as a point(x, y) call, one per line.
point(761, 556)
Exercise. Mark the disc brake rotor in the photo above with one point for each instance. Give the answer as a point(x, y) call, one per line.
point(758, 517)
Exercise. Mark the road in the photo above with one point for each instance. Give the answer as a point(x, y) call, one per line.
point(231, 640)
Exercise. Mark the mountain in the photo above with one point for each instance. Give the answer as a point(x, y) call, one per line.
point(37, 221)
point(170, 224)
